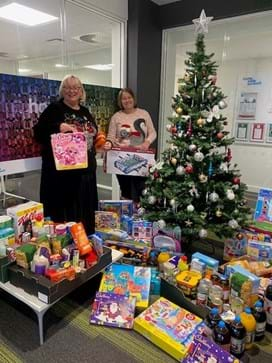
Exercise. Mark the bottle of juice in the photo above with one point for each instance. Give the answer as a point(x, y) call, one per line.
point(260, 317)
point(222, 335)
point(268, 307)
point(237, 337)
point(249, 323)
point(212, 321)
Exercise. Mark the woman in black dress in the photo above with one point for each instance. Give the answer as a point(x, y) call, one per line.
point(69, 195)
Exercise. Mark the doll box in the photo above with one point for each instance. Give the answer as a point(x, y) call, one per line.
point(23, 213)
point(168, 326)
point(128, 161)
point(69, 150)
point(106, 220)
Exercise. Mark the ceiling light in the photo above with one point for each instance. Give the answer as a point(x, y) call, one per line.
point(24, 15)
point(100, 67)
point(58, 65)
point(24, 70)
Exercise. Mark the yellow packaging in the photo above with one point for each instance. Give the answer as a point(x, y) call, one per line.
point(168, 326)
point(188, 281)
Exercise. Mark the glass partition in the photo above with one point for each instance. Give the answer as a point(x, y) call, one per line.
point(243, 53)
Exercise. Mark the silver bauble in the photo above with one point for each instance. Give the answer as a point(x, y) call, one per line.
point(203, 233)
point(172, 202)
point(230, 194)
point(190, 208)
point(168, 127)
point(192, 147)
point(233, 223)
point(161, 223)
point(198, 156)
point(144, 192)
point(152, 199)
point(213, 197)
point(180, 170)
point(222, 104)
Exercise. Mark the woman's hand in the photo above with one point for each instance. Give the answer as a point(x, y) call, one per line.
point(107, 145)
point(64, 127)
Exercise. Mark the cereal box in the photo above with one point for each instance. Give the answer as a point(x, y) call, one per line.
point(24, 214)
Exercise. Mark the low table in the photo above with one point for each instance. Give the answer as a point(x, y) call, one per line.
point(39, 307)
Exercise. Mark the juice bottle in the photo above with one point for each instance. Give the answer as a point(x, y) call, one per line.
point(212, 321)
point(249, 323)
point(268, 307)
point(222, 335)
point(260, 317)
point(237, 337)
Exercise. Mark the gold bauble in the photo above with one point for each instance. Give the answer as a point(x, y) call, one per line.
point(218, 213)
point(200, 122)
point(179, 110)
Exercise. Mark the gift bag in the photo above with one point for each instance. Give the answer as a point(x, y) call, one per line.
point(70, 150)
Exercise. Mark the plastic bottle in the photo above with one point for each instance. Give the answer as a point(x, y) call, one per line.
point(249, 323)
point(222, 335)
point(260, 317)
point(212, 321)
point(237, 337)
point(268, 307)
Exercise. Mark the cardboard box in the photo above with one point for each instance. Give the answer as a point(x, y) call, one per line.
point(23, 213)
point(168, 326)
point(48, 291)
point(121, 207)
point(128, 161)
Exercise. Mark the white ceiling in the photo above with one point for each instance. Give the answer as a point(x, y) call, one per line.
point(34, 42)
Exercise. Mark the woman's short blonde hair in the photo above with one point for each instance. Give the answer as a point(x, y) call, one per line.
point(65, 82)
point(120, 94)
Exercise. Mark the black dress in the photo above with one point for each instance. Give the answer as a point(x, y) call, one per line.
point(69, 195)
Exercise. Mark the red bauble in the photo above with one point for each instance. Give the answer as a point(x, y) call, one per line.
point(236, 180)
point(220, 135)
point(174, 130)
point(156, 174)
point(189, 169)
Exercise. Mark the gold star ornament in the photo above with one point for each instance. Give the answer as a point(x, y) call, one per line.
point(201, 23)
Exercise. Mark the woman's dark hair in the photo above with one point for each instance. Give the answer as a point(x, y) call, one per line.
point(120, 94)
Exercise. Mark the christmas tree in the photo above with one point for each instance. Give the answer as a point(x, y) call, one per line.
point(194, 185)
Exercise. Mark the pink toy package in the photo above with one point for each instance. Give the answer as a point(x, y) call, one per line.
point(70, 150)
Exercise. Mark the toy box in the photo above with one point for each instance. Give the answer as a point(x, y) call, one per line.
point(113, 310)
point(128, 161)
point(211, 263)
point(106, 220)
point(69, 150)
point(120, 207)
point(133, 253)
point(141, 229)
point(124, 279)
point(263, 210)
point(168, 326)
point(24, 213)
point(113, 234)
point(260, 251)
point(204, 350)
point(235, 247)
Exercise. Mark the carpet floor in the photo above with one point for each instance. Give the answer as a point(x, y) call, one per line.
point(69, 337)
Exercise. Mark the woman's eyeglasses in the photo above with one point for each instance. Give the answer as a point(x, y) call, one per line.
point(75, 89)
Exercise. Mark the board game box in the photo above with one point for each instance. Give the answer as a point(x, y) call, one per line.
point(113, 310)
point(121, 207)
point(128, 161)
point(168, 326)
point(128, 280)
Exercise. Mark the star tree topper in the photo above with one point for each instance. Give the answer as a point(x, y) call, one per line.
point(201, 23)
